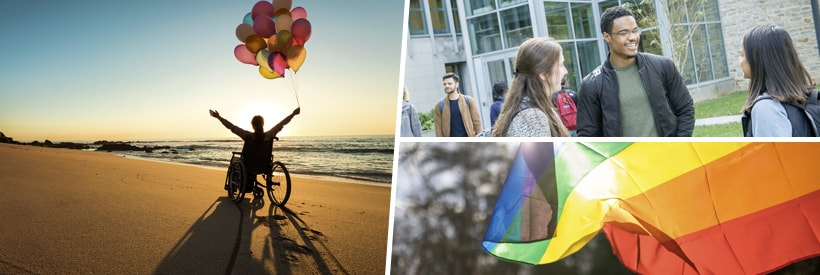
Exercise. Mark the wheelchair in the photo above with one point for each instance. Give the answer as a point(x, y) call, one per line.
point(275, 180)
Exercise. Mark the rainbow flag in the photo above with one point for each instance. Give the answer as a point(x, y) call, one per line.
point(666, 207)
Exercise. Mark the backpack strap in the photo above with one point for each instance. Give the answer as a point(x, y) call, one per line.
point(441, 103)
point(746, 119)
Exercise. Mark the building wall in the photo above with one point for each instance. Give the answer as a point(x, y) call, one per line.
point(740, 16)
point(424, 67)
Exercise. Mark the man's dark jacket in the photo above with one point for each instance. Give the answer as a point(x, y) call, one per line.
point(599, 110)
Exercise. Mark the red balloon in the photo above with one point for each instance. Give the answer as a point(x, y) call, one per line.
point(298, 13)
point(300, 30)
point(244, 55)
point(263, 26)
point(262, 8)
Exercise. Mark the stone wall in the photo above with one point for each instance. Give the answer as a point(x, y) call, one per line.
point(740, 16)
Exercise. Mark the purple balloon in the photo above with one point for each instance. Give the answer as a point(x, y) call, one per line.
point(260, 8)
point(263, 26)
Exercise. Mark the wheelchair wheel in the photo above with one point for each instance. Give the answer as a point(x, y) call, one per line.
point(235, 181)
point(279, 184)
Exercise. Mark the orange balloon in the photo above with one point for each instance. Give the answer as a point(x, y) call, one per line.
point(272, 43)
point(268, 74)
point(255, 43)
point(296, 56)
point(281, 4)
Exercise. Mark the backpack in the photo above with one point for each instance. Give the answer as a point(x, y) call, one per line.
point(798, 116)
point(566, 109)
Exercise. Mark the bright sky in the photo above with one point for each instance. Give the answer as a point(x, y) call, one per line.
point(151, 69)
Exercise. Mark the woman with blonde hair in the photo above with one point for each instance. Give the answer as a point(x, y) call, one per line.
point(527, 110)
point(410, 125)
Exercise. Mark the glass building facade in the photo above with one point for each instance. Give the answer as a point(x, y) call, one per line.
point(688, 31)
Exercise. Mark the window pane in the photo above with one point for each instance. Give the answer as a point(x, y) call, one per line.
point(570, 57)
point(718, 51)
point(583, 21)
point(650, 42)
point(703, 61)
point(507, 3)
point(456, 19)
point(677, 12)
point(558, 20)
point(438, 16)
point(517, 25)
point(474, 7)
point(644, 12)
point(497, 71)
point(484, 32)
point(603, 5)
point(588, 54)
point(695, 11)
point(711, 10)
point(683, 53)
point(417, 25)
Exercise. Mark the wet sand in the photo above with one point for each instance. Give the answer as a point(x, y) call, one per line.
point(70, 211)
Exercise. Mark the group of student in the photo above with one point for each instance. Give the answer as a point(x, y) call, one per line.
point(634, 94)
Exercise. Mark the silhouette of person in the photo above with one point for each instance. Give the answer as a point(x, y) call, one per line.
point(258, 144)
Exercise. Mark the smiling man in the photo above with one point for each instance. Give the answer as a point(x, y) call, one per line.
point(632, 94)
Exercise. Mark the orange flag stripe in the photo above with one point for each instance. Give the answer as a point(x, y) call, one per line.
point(752, 178)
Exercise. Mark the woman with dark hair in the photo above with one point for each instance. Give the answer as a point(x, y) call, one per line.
point(778, 83)
point(527, 110)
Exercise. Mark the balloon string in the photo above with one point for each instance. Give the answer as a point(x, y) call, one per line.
point(293, 85)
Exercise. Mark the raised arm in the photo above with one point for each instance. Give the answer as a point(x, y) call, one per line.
point(273, 131)
point(234, 129)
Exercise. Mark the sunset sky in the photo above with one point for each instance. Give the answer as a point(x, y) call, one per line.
point(126, 70)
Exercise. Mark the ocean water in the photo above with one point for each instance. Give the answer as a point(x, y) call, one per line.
point(364, 158)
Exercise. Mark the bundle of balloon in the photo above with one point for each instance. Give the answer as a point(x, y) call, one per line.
point(273, 38)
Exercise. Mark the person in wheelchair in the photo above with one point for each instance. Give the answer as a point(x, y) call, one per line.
point(257, 149)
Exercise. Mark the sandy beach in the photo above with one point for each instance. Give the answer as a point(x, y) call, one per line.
point(70, 211)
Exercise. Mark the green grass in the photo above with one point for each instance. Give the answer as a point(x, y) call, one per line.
point(726, 105)
point(720, 130)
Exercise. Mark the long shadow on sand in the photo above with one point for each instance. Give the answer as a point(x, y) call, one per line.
point(209, 246)
point(281, 242)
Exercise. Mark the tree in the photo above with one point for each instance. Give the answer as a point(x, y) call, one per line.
point(682, 32)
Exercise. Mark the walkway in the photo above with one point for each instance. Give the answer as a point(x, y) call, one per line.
point(698, 122)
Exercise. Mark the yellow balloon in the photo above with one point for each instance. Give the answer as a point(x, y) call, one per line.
point(296, 56)
point(268, 74)
point(262, 59)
